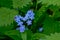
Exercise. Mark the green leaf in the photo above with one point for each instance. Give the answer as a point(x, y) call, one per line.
point(49, 2)
point(50, 25)
point(4, 37)
point(40, 12)
point(6, 3)
point(20, 3)
point(25, 8)
point(14, 34)
point(27, 35)
point(37, 36)
point(55, 36)
point(24, 36)
point(39, 17)
point(55, 10)
point(7, 15)
point(5, 28)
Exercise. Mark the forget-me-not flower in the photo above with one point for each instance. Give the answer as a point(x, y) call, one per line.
point(20, 23)
point(25, 18)
point(28, 18)
point(22, 28)
point(30, 14)
point(31, 17)
point(29, 22)
point(40, 29)
point(17, 19)
point(20, 17)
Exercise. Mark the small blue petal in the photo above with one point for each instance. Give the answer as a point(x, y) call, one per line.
point(30, 14)
point(20, 23)
point(17, 19)
point(31, 17)
point(22, 28)
point(29, 11)
point(40, 29)
point(20, 17)
point(29, 22)
point(25, 18)
point(27, 15)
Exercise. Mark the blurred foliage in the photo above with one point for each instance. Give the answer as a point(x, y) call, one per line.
point(20, 3)
point(50, 25)
point(7, 15)
point(49, 2)
point(6, 3)
point(47, 15)
point(14, 34)
point(37, 36)
point(55, 36)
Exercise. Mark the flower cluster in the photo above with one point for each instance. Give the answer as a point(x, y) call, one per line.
point(28, 18)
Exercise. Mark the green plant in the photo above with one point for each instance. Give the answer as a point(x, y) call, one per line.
point(47, 16)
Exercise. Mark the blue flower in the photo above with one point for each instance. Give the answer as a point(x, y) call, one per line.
point(40, 29)
point(28, 18)
point(22, 28)
point(17, 19)
point(29, 11)
point(20, 17)
point(31, 17)
point(20, 23)
point(30, 14)
point(29, 22)
point(25, 18)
